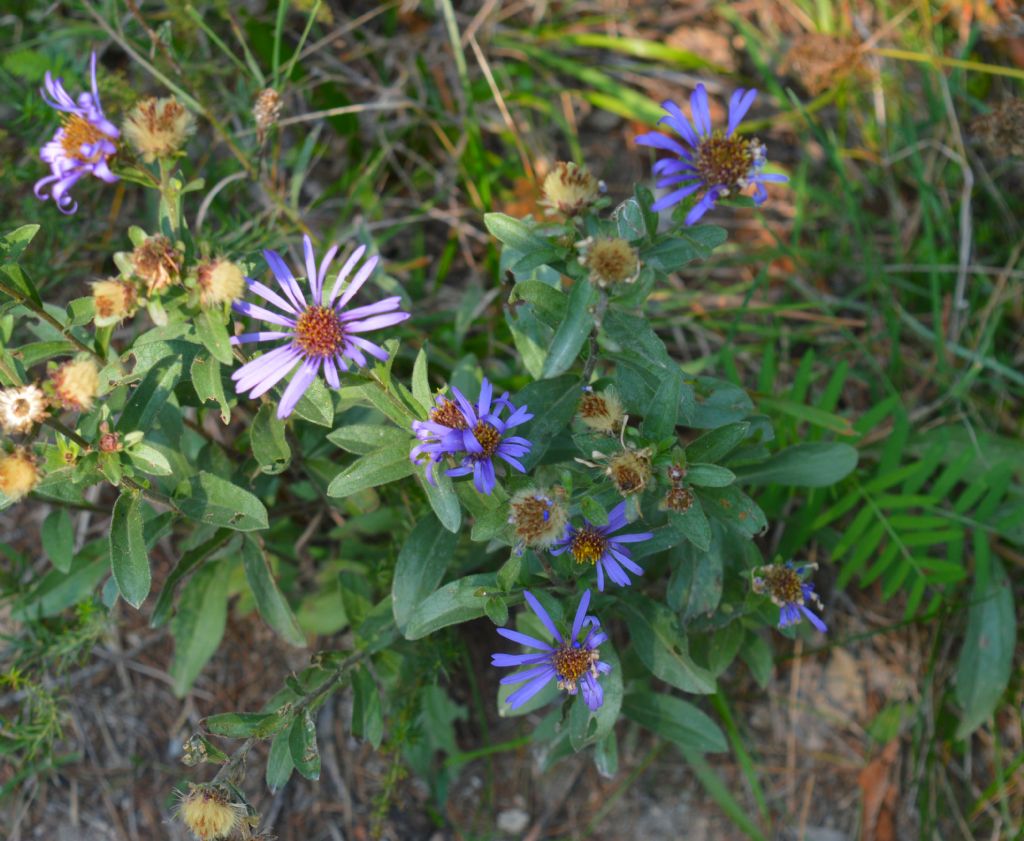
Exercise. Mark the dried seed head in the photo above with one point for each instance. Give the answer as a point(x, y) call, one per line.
point(266, 112)
point(610, 260)
point(76, 383)
point(820, 61)
point(220, 282)
point(157, 262)
point(21, 408)
point(18, 473)
point(538, 518)
point(630, 470)
point(568, 189)
point(110, 442)
point(114, 301)
point(208, 812)
point(782, 583)
point(679, 499)
point(602, 411)
point(157, 128)
point(676, 473)
point(1002, 131)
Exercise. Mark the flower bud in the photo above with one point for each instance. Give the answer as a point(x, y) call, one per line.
point(630, 470)
point(266, 112)
point(157, 262)
point(568, 189)
point(114, 301)
point(601, 411)
point(610, 260)
point(537, 518)
point(208, 813)
point(76, 383)
point(157, 128)
point(220, 282)
point(18, 473)
point(21, 408)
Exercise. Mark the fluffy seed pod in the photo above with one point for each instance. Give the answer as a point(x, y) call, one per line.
point(76, 383)
point(538, 518)
point(157, 128)
point(21, 408)
point(208, 812)
point(266, 112)
point(568, 189)
point(630, 470)
point(220, 282)
point(18, 473)
point(114, 301)
point(157, 262)
point(679, 499)
point(601, 411)
point(610, 260)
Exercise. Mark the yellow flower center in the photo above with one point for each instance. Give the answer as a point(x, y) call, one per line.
point(78, 132)
point(782, 584)
point(448, 414)
point(488, 437)
point(724, 160)
point(587, 545)
point(572, 663)
point(319, 332)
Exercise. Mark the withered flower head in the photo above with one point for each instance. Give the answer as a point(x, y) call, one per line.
point(568, 189)
point(610, 260)
point(157, 128)
point(76, 383)
point(630, 470)
point(18, 473)
point(220, 282)
point(537, 517)
point(157, 262)
point(21, 408)
point(114, 301)
point(209, 813)
point(679, 499)
point(266, 112)
point(601, 411)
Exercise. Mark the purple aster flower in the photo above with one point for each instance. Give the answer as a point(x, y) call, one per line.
point(596, 545)
point(475, 432)
point(718, 162)
point(785, 585)
point(572, 662)
point(82, 145)
point(320, 334)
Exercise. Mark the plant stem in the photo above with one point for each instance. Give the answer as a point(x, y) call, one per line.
point(49, 319)
point(599, 311)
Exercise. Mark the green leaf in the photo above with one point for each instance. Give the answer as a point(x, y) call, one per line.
point(316, 405)
point(572, 332)
point(58, 591)
point(206, 380)
point(549, 304)
point(269, 445)
point(24, 288)
point(14, 243)
point(270, 601)
point(58, 538)
point(150, 396)
point(813, 465)
point(661, 647)
point(986, 659)
point(443, 500)
point(674, 719)
point(421, 381)
point(279, 762)
point(242, 725)
point(458, 601)
point(198, 626)
point(757, 654)
point(362, 438)
point(421, 565)
point(695, 588)
point(186, 563)
point(303, 748)
point(128, 559)
point(629, 220)
point(586, 727)
point(709, 475)
point(367, 718)
point(715, 445)
point(150, 460)
point(213, 333)
point(521, 236)
point(553, 404)
point(594, 511)
point(693, 524)
point(377, 468)
point(735, 508)
point(673, 253)
point(660, 417)
point(210, 499)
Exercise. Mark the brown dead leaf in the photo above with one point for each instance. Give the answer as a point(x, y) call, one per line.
point(880, 790)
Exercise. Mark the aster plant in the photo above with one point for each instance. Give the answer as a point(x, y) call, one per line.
point(573, 663)
point(602, 548)
point(718, 162)
point(320, 336)
point(83, 145)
